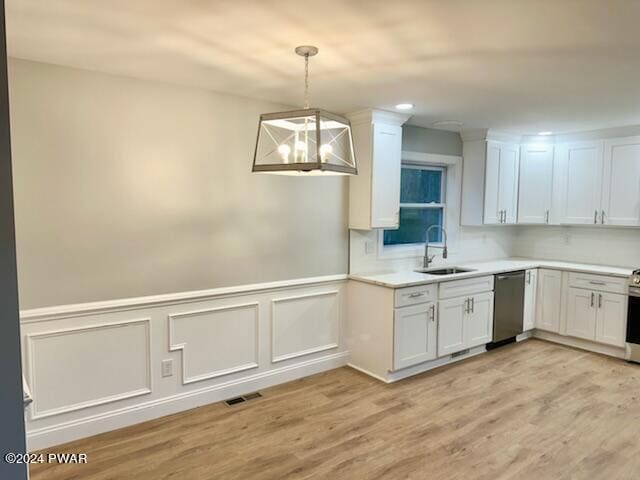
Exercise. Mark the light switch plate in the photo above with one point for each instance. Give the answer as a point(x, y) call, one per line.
point(167, 368)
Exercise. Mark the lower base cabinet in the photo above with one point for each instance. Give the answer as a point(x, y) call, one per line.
point(414, 335)
point(596, 316)
point(465, 322)
point(530, 294)
point(549, 299)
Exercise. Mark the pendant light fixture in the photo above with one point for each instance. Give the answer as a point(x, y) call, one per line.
point(310, 141)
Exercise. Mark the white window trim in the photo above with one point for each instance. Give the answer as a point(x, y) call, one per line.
point(452, 165)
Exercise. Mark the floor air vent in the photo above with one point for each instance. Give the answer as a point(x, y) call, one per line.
point(245, 398)
point(460, 353)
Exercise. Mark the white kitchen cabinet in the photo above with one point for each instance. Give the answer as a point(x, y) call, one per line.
point(501, 183)
point(612, 319)
point(549, 296)
point(414, 335)
point(465, 322)
point(451, 330)
point(621, 182)
point(374, 194)
point(479, 322)
point(535, 193)
point(581, 313)
point(580, 168)
point(489, 182)
point(530, 290)
point(596, 316)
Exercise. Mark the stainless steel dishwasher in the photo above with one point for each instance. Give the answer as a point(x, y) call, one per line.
point(508, 308)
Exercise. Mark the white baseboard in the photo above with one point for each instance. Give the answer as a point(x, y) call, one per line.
point(141, 412)
point(618, 352)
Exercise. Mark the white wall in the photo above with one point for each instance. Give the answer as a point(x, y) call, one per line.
point(606, 246)
point(465, 243)
point(127, 188)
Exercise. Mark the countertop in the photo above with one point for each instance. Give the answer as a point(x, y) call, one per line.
point(410, 278)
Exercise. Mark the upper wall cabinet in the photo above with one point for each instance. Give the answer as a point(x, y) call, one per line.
point(621, 182)
point(490, 182)
point(501, 183)
point(536, 184)
point(374, 194)
point(580, 182)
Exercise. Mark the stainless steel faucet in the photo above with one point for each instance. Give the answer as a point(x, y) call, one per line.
point(429, 258)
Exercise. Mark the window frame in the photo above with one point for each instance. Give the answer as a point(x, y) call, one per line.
point(405, 249)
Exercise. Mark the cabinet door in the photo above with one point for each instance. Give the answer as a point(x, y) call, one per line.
point(479, 322)
point(492, 214)
point(508, 181)
point(385, 181)
point(530, 289)
point(581, 313)
point(536, 180)
point(611, 319)
point(451, 324)
point(414, 335)
point(621, 182)
point(549, 298)
point(581, 182)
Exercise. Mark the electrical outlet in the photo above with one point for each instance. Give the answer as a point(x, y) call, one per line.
point(167, 368)
point(369, 247)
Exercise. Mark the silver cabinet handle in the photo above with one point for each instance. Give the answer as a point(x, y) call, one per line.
point(467, 305)
point(595, 217)
point(416, 294)
point(594, 282)
point(599, 300)
point(546, 217)
point(593, 299)
point(433, 312)
point(602, 217)
point(473, 304)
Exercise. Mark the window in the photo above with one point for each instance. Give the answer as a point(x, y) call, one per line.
point(422, 195)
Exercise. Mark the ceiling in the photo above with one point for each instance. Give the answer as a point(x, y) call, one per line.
point(522, 66)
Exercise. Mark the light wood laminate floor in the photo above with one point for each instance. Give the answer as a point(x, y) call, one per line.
point(529, 411)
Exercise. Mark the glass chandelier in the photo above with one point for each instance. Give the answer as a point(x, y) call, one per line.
point(310, 141)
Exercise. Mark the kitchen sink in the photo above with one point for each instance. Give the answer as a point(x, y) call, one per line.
point(443, 271)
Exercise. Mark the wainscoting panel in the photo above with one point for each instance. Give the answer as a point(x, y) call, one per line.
point(304, 324)
point(95, 367)
point(215, 341)
point(76, 368)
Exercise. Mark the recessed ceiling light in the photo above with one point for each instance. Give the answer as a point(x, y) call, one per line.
point(404, 106)
point(545, 133)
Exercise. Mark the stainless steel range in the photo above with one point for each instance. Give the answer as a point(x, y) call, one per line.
point(633, 318)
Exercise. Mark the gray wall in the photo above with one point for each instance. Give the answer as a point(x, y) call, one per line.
point(12, 437)
point(128, 188)
point(429, 140)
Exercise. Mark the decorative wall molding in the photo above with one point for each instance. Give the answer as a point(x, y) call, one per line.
point(94, 308)
point(184, 347)
point(32, 359)
point(288, 352)
point(236, 323)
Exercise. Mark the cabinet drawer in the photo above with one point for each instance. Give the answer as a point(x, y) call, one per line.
point(415, 295)
point(458, 288)
point(600, 283)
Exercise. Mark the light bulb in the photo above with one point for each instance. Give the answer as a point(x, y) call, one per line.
point(325, 150)
point(284, 150)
